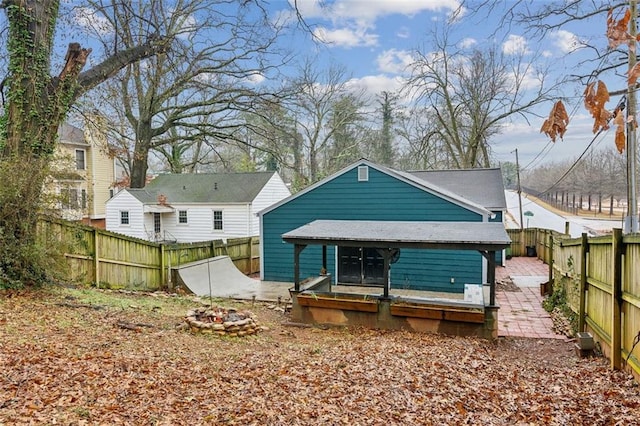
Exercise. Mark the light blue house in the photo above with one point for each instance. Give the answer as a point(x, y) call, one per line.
point(365, 191)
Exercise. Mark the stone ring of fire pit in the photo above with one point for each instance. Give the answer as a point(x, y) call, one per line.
point(222, 322)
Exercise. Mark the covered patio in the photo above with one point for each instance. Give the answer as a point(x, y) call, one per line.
point(314, 300)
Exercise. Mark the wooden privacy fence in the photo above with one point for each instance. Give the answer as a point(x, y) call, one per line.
point(540, 239)
point(601, 278)
point(111, 260)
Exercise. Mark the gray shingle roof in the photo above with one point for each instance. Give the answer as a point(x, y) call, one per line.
point(204, 187)
point(486, 235)
point(482, 186)
point(71, 134)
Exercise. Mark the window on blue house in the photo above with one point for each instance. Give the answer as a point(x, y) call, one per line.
point(363, 173)
point(124, 217)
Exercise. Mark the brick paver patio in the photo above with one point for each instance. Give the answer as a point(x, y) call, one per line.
point(521, 313)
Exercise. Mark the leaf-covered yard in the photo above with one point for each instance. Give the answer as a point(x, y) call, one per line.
point(72, 356)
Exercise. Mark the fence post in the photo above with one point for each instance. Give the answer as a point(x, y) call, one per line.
point(616, 301)
point(96, 258)
point(584, 250)
point(163, 273)
point(550, 259)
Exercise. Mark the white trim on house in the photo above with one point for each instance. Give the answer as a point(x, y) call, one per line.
point(157, 208)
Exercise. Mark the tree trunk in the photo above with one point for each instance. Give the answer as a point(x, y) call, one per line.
point(599, 203)
point(36, 104)
point(611, 205)
point(139, 170)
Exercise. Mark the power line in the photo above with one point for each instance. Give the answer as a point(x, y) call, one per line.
point(618, 109)
point(571, 115)
point(539, 154)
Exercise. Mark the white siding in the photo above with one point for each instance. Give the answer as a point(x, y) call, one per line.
point(274, 191)
point(123, 200)
point(200, 222)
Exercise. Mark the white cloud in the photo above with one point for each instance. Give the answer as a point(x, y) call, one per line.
point(394, 61)
point(346, 37)
point(403, 32)
point(515, 44)
point(468, 42)
point(256, 79)
point(90, 19)
point(370, 10)
point(375, 84)
point(352, 21)
point(566, 41)
point(526, 78)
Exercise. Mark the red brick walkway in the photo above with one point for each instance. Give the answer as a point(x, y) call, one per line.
point(521, 313)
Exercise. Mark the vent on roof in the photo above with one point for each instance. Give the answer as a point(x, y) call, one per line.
point(215, 186)
point(363, 173)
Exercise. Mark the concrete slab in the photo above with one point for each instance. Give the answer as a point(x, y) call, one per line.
point(218, 277)
point(526, 281)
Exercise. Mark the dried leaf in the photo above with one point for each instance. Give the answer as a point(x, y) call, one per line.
point(594, 101)
point(56, 370)
point(617, 31)
point(556, 124)
point(634, 74)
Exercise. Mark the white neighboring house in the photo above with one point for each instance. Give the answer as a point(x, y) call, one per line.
point(195, 207)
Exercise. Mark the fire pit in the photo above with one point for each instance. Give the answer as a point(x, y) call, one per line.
point(222, 321)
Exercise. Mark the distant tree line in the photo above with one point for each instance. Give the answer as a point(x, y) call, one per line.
point(598, 179)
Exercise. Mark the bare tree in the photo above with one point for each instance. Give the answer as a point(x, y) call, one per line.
point(471, 94)
point(190, 95)
point(348, 132)
point(315, 96)
point(36, 103)
point(319, 110)
point(544, 19)
point(419, 150)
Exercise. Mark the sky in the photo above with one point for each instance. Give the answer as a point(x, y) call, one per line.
point(375, 40)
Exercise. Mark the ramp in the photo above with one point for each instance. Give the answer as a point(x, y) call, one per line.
point(219, 277)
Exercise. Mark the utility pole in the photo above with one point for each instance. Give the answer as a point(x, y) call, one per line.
point(519, 187)
point(631, 220)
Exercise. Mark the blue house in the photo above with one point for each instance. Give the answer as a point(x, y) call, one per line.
point(365, 191)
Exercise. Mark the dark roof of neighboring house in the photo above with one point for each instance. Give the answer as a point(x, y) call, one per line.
point(204, 188)
point(482, 186)
point(71, 134)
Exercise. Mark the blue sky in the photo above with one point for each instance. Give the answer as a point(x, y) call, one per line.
point(375, 40)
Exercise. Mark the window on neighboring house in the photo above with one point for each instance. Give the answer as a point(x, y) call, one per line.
point(124, 217)
point(83, 199)
point(217, 220)
point(65, 198)
point(182, 216)
point(73, 198)
point(80, 163)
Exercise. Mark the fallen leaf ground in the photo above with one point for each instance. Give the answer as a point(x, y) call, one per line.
point(65, 359)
